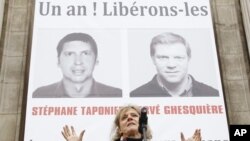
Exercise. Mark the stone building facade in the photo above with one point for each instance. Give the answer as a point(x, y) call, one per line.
point(231, 19)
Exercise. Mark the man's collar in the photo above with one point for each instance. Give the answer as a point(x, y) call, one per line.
point(187, 91)
point(88, 88)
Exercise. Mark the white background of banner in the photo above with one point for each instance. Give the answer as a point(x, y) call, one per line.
point(119, 53)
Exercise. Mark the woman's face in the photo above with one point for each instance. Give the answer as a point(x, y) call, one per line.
point(129, 123)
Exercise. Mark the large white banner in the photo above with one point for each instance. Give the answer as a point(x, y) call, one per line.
point(85, 87)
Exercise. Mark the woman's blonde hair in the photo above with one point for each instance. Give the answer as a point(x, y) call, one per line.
point(115, 134)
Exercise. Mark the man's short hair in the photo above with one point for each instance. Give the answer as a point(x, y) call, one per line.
point(169, 38)
point(77, 37)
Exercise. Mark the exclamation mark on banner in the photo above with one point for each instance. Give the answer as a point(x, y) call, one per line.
point(94, 5)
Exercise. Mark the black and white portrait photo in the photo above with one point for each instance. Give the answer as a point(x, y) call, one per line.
point(80, 69)
point(179, 64)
